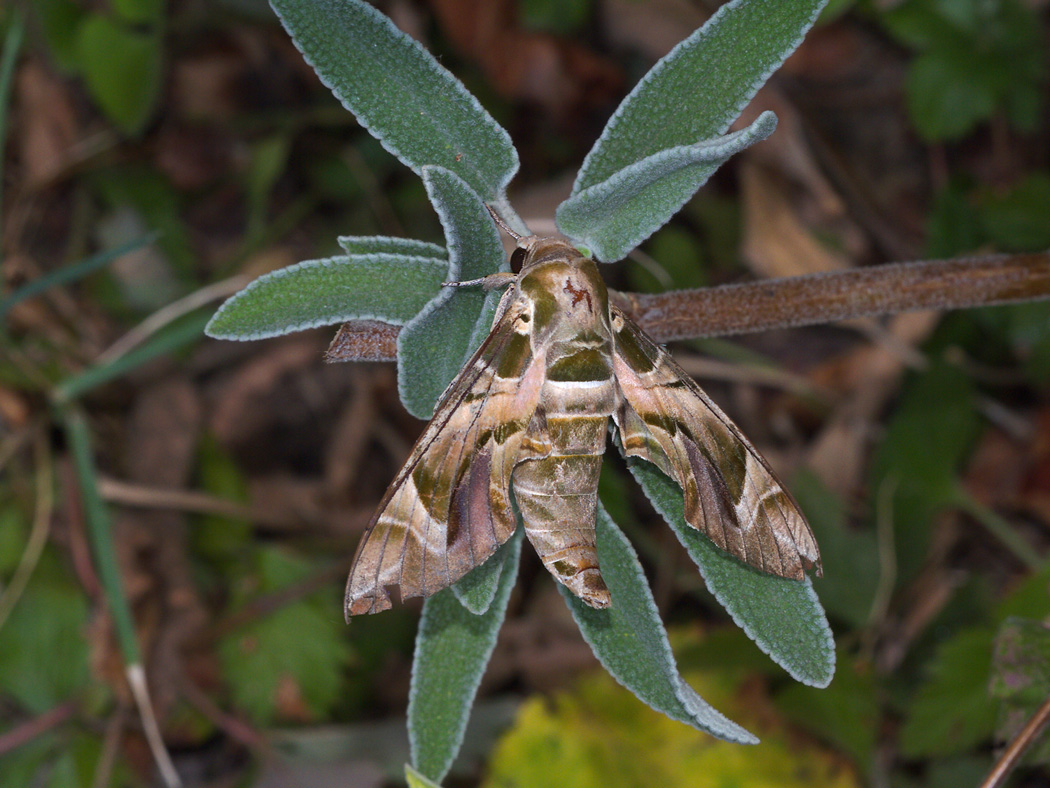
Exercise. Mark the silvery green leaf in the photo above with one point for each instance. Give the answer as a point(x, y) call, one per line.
point(476, 590)
point(612, 217)
point(452, 649)
point(384, 244)
point(417, 780)
point(388, 287)
point(434, 345)
point(700, 87)
point(782, 616)
point(400, 93)
point(629, 639)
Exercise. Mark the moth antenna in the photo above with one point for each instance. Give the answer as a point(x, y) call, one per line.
point(503, 225)
point(490, 282)
point(465, 283)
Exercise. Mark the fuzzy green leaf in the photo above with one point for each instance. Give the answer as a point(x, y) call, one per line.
point(433, 346)
point(400, 93)
point(699, 88)
point(452, 649)
point(612, 217)
point(384, 244)
point(629, 639)
point(417, 780)
point(388, 287)
point(782, 616)
point(476, 590)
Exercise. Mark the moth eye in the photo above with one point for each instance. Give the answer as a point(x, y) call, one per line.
point(617, 322)
point(517, 260)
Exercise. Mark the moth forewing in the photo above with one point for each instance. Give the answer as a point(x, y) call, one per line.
point(449, 507)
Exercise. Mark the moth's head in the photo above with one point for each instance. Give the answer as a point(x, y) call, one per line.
point(558, 289)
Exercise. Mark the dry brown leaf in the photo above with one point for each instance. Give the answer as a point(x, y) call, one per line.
point(46, 125)
point(244, 403)
point(775, 242)
point(869, 377)
point(557, 74)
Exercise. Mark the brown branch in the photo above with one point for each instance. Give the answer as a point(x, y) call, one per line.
point(1008, 760)
point(843, 295)
point(785, 303)
point(37, 726)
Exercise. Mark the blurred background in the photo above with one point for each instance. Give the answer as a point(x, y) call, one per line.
point(239, 476)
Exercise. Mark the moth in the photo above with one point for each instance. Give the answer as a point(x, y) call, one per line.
point(529, 413)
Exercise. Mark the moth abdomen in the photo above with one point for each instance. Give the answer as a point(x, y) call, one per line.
point(558, 497)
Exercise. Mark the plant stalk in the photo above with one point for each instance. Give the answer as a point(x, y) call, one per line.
point(784, 303)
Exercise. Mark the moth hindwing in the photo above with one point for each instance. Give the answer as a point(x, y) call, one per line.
point(529, 413)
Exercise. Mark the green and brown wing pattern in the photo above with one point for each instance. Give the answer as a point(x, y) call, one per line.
point(731, 494)
point(449, 508)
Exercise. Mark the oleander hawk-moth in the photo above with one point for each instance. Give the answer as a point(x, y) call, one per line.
point(529, 412)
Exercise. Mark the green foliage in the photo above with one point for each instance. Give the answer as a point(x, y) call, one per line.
point(630, 642)
point(952, 711)
point(976, 58)
point(269, 157)
point(1020, 679)
point(783, 617)
point(57, 761)
point(845, 714)
point(557, 16)
point(388, 287)
point(45, 660)
point(69, 273)
point(13, 533)
point(850, 557)
point(1017, 220)
point(121, 67)
point(660, 146)
point(435, 343)
point(964, 219)
point(700, 87)
point(453, 646)
point(138, 11)
point(595, 737)
point(118, 56)
point(615, 215)
point(290, 663)
point(136, 195)
point(678, 260)
point(477, 591)
point(417, 780)
point(353, 245)
point(60, 20)
point(220, 539)
point(400, 93)
point(926, 440)
point(965, 690)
